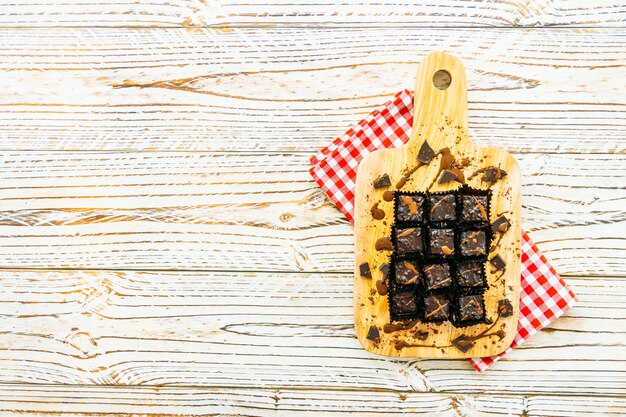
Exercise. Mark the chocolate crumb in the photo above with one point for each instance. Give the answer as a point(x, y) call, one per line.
point(425, 154)
point(498, 262)
point(373, 334)
point(382, 182)
point(365, 271)
point(384, 243)
point(505, 309)
point(463, 343)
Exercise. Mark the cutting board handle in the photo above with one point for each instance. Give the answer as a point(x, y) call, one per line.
point(434, 105)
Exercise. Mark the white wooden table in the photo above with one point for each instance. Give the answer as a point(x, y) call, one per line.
point(163, 249)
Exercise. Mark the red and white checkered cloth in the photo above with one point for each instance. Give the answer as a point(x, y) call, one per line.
point(544, 295)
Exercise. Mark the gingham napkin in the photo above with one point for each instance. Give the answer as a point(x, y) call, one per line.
point(544, 295)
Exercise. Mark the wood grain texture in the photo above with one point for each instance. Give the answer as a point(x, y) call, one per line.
point(256, 211)
point(441, 122)
point(449, 13)
point(294, 89)
point(46, 400)
point(272, 330)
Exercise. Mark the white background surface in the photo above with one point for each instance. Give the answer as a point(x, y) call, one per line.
point(164, 250)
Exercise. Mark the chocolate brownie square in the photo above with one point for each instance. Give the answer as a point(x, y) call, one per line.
point(470, 308)
point(404, 302)
point(409, 240)
point(437, 276)
point(442, 207)
point(474, 208)
point(436, 307)
point(407, 273)
point(441, 241)
point(473, 243)
point(410, 208)
point(470, 274)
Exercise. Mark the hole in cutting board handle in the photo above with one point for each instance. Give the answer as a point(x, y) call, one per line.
point(442, 79)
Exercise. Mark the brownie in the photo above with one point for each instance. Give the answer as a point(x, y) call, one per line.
point(436, 307)
point(406, 273)
point(442, 207)
point(470, 274)
point(404, 302)
point(442, 241)
point(410, 208)
point(473, 243)
point(409, 240)
point(471, 308)
point(437, 276)
point(474, 208)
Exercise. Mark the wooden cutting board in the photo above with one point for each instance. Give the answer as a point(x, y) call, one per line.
point(440, 119)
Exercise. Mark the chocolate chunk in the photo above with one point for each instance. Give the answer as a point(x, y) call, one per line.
point(437, 276)
point(442, 207)
point(404, 302)
point(436, 307)
point(382, 182)
point(373, 334)
point(440, 239)
point(498, 262)
point(471, 308)
point(473, 243)
point(409, 240)
point(447, 176)
point(406, 273)
point(470, 274)
point(410, 208)
point(463, 343)
point(474, 208)
point(501, 224)
point(422, 336)
point(425, 154)
point(364, 268)
point(384, 268)
point(505, 308)
point(384, 243)
point(493, 174)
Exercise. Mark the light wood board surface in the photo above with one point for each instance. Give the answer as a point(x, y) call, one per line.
point(440, 122)
point(132, 284)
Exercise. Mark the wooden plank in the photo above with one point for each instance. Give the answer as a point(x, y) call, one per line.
point(271, 330)
point(47, 400)
point(449, 13)
point(294, 89)
point(440, 123)
point(255, 211)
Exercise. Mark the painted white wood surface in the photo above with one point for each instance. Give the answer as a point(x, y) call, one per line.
point(46, 400)
point(159, 13)
point(203, 333)
point(259, 211)
point(294, 89)
point(273, 330)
